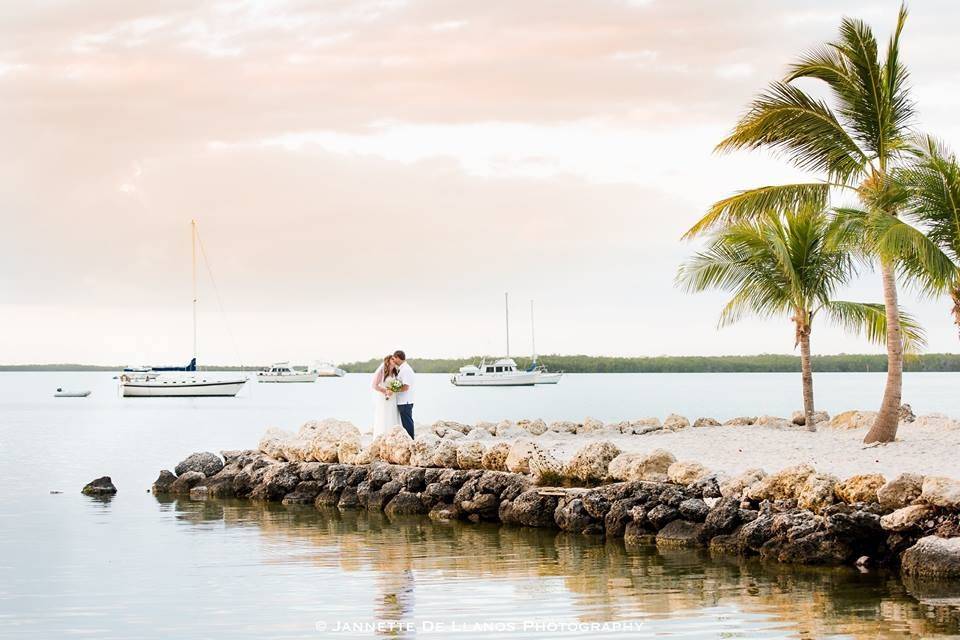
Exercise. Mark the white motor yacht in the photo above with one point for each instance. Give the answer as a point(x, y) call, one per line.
point(283, 372)
point(499, 373)
point(328, 370)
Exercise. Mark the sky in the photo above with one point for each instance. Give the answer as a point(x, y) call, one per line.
point(375, 174)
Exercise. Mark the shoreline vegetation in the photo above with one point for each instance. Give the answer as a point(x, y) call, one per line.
point(761, 363)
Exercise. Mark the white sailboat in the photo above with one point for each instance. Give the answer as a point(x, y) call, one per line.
point(544, 376)
point(283, 372)
point(328, 370)
point(179, 382)
point(499, 373)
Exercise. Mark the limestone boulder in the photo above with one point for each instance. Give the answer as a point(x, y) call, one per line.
point(941, 492)
point(933, 557)
point(442, 428)
point(706, 422)
point(397, 446)
point(544, 466)
point(591, 425)
point(102, 486)
point(207, 463)
point(740, 421)
point(272, 441)
point(906, 414)
point(853, 420)
point(518, 460)
point(860, 488)
point(470, 455)
point(799, 418)
point(445, 455)
point(641, 466)
point(901, 491)
point(424, 448)
point(592, 462)
point(533, 427)
point(348, 449)
point(782, 485)
point(684, 472)
point(906, 518)
point(184, 483)
point(509, 429)
point(640, 426)
point(563, 426)
point(773, 422)
point(817, 492)
point(495, 458)
point(163, 483)
point(736, 486)
point(675, 422)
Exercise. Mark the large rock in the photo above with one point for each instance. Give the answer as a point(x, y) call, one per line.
point(205, 462)
point(591, 425)
point(182, 485)
point(860, 488)
point(442, 428)
point(706, 422)
point(470, 455)
point(907, 517)
point(397, 446)
point(773, 422)
point(544, 466)
point(324, 438)
point(686, 472)
point(273, 440)
point(572, 516)
point(817, 492)
point(642, 466)
point(102, 486)
point(675, 422)
point(348, 449)
point(563, 426)
point(941, 492)
point(424, 447)
point(509, 429)
point(405, 503)
point(737, 485)
point(853, 420)
point(518, 460)
point(679, 534)
point(534, 427)
point(906, 413)
point(531, 508)
point(495, 458)
point(592, 462)
point(933, 557)
point(901, 491)
point(782, 485)
point(445, 455)
point(740, 421)
point(163, 483)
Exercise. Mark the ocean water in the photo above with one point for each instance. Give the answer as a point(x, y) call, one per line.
point(135, 566)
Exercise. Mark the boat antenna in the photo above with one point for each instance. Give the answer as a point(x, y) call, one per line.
point(533, 335)
point(193, 271)
point(223, 312)
point(506, 304)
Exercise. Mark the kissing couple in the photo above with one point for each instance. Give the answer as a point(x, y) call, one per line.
point(393, 384)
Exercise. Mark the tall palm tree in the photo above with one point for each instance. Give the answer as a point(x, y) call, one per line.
point(787, 266)
point(932, 184)
point(854, 142)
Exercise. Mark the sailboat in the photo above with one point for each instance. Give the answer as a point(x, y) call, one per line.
point(502, 372)
point(160, 382)
point(544, 376)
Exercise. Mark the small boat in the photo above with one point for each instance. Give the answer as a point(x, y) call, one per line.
point(327, 370)
point(179, 382)
point(500, 373)
point(60, 393)
point(283, 372)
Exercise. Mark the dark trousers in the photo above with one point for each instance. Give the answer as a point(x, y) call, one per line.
point(406, 417)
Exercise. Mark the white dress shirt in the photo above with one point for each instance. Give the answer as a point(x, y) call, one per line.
point(408, 377)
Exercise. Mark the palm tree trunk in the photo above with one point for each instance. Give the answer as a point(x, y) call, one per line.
point(955, 295)
point(884, 428)
point(806, 373)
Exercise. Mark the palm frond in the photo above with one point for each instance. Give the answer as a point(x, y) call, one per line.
point(918, 257)
point(870, 320)
point(933, 182)
point(752, 203)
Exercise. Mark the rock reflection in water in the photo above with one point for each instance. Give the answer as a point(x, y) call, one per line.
point(586, 579)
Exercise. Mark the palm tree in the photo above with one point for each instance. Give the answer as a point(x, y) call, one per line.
point(854, 142)
point(932, 183)
point(779, 266)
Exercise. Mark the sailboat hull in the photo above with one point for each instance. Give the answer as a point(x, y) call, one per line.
point(182, 388)
point(549, 378)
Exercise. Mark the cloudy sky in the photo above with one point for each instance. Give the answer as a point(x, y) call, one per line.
point(374, 174)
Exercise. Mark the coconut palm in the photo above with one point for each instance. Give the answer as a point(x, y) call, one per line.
point(932, 183)
point(854, 142)
point(787, 266)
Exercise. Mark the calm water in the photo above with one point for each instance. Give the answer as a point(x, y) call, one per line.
point(136, 567)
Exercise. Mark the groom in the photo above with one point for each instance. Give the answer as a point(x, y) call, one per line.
point(407, 377)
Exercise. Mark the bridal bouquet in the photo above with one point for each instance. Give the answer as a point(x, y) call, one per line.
point(395, 386)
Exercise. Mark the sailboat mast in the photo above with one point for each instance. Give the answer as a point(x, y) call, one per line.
point(193, 256)
point(533, 335)
point(506, 304)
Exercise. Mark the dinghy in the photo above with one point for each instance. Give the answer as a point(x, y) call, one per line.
point(60, 393)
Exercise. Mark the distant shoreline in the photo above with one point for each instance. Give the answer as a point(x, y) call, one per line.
point(763, 363)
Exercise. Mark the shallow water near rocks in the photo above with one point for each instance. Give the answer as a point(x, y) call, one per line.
point(137, 567)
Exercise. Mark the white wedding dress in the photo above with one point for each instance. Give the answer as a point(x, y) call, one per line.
point(385, 412)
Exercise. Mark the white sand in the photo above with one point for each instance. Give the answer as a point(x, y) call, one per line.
point(930, 446)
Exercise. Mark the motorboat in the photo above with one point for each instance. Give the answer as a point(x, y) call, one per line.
point(60, 393)
point(328, 370)
point(179, 382)
point(283, 372)
point(499, 373)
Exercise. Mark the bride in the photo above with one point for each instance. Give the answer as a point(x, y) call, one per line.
point(385, 413)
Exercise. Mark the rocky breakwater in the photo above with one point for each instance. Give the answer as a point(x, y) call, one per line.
point(796, 515)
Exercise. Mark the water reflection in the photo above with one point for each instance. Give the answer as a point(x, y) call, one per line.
point(512, 573)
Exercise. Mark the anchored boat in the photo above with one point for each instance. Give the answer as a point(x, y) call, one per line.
point(179, 382)
point(283, 372)
point(499, 373)
point(327, 370)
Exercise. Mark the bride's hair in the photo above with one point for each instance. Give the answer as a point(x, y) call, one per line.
point(388, 368)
